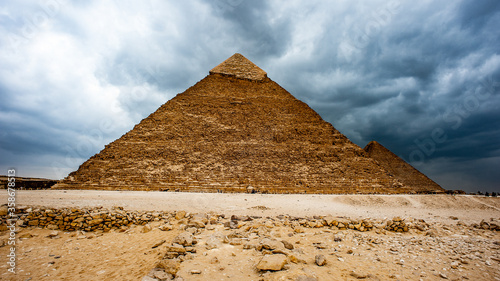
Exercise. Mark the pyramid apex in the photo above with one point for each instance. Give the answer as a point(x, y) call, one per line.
point(374, 145)
point(240, 67)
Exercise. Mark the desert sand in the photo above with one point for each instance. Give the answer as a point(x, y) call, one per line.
point(450, 247)
point(468, 208)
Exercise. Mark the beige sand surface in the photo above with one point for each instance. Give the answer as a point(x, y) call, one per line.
point(467, 208)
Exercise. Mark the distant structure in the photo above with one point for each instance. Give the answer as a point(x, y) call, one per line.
point(397, 167)
point(236, 131)
point(27, 183)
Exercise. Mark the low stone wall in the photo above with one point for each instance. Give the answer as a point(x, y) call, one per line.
point(72, 219)
point(99, 219)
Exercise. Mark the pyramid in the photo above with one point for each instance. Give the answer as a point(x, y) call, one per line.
point(234, 131)
point(404, 172)
point(239, 66)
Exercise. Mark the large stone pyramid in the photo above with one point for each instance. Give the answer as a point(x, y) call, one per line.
point(234, 131)
point(399, 168)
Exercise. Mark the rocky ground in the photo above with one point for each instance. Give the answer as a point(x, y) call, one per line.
point(301, 249)
point(180, 245)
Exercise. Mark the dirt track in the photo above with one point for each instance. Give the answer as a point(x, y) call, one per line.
point(429, 207)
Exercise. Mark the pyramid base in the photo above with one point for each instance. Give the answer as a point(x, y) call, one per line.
point(243, 189)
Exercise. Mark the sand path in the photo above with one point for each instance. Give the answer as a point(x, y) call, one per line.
point(467, 208)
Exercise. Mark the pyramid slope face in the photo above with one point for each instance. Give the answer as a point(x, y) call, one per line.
point(399, 168)
point(239, 66)
point(234, 135)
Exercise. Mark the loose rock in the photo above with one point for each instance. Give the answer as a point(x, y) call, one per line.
point(147, 228)
point(272, 262)
point(184, 239)
point(171, 266)
point(320, 260)
point(159, 243)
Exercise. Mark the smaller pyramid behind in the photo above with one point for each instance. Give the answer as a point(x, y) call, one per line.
point(400, 169)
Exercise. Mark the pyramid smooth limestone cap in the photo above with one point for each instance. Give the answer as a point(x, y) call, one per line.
point(240, 67)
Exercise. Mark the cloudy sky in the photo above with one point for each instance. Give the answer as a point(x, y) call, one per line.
point(422, 78)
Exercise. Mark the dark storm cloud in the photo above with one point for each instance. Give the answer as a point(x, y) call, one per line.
point(476, 15)
point(420, 78)
point(445, 63)
point(251, 21)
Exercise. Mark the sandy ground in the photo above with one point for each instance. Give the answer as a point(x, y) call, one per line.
point(112, 256)
point(455, 252)
point(467, 208)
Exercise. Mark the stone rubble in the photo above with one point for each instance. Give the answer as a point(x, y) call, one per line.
point(279, 255)
point(93, 219)
point(282, 244)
